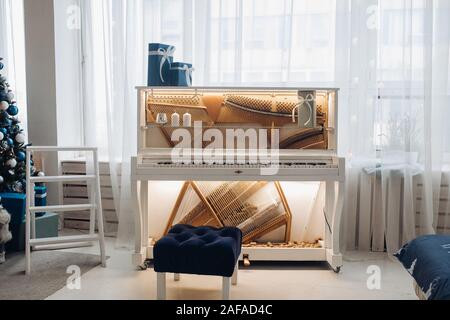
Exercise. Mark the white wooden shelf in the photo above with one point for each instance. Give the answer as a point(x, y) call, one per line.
point(63, 208)
point(75, 178)
point(61, 149)
point(61, 240)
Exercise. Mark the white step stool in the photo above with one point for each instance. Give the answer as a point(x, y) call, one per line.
point(95, 207)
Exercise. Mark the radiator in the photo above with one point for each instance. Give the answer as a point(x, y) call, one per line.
point(383, 214)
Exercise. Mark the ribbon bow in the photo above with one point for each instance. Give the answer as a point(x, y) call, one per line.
point(309, 98)
point(188, 71)
point(166, 54)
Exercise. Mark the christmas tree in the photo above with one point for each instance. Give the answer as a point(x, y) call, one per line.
point(12, 143)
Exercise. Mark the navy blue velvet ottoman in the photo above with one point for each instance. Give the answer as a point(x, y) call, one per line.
point(198, 250)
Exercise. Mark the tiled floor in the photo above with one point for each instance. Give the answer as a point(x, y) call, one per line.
point(120, 280)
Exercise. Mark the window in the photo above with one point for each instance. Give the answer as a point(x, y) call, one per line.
point(256, 42)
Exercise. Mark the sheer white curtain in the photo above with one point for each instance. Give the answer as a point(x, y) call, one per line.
point(122, 34)
point(111, 63)
point(3, 29)
point(12, 49)
point(251, 42)
point(390, 58)
point(394, 69)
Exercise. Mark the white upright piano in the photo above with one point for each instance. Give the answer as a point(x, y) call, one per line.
point(231, 152)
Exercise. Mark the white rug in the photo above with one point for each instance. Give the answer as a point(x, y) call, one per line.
point(49, 273)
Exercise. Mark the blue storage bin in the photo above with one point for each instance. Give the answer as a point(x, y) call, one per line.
point(160, 58)
point(181, 74)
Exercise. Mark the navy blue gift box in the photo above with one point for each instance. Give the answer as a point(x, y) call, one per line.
point(160, 58)
point(181, 74)
point(15, 204)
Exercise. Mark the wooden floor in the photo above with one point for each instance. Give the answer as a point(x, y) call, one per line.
point(287, 281)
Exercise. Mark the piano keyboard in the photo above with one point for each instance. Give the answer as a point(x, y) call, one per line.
point(285, 165)
point(285, 170)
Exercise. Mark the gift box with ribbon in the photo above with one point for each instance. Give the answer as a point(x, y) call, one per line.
point(40, 198)
point(16, 203)
point(181, 74)
point(160, 58)
point(304, 112)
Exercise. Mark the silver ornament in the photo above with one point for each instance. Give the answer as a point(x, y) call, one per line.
point(12, 163)
point(20, 138)
point(4, 105)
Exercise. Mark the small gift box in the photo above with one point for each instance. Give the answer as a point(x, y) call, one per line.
point(181, 74)
point(160, 58)
point(46, 227)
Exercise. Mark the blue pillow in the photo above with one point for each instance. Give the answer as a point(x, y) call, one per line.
point(427, 259)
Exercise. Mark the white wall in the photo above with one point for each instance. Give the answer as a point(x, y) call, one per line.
point(41, 81)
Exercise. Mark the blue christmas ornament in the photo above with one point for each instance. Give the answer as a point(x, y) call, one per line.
point(4, 96)
point(3, 130)
point(8, 122)
point(10, 141)
point(21, 156)
point(13, 110)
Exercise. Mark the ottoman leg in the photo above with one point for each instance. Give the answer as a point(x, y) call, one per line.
point(161, 286)
point(176, 277)
point(234, 279)
point(226, 288)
